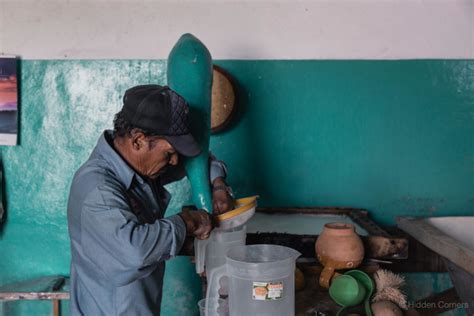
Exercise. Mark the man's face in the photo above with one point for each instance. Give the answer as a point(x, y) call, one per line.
point(155, 155)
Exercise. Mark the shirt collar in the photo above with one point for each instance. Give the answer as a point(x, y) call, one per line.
point(105, 150)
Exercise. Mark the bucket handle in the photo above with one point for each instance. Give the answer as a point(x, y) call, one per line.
point(200, 253)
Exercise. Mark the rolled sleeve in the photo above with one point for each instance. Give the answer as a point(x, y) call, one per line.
point(180, 233)
point(217, 168)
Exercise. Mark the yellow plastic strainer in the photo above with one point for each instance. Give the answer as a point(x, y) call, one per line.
point(244, 210)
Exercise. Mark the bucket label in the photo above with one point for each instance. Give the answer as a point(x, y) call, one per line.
point(267, 291)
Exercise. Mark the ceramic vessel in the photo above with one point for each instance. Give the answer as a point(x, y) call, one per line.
point(338, 247)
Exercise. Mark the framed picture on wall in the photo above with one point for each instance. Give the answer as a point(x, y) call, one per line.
point(8, 101)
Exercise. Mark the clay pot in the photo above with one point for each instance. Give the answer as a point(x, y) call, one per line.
point(386, 308)
point(338, 247)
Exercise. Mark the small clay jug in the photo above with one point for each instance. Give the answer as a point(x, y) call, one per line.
point(338, 247)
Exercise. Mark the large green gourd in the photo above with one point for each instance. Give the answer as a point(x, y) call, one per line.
point(190, 75)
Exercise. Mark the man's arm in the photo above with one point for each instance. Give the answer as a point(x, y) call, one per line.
point(217, 169)
point(114, 240)
point(222, 199)
point(222, 196)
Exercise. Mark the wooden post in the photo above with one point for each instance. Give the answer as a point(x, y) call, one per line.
point(56, 308)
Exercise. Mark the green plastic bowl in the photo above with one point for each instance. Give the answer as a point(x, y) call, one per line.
point(345, 290)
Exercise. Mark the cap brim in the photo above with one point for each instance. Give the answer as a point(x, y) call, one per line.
point(185, 145)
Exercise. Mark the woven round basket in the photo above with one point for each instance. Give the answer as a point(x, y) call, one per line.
point(223, 100)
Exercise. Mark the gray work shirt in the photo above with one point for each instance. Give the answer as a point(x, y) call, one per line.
point(119, 238)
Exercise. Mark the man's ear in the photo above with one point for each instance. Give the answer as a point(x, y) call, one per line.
point(138, 140)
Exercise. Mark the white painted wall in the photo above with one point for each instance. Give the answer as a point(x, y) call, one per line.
point(133, 29)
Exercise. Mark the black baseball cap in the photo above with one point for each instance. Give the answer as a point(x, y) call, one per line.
point(161, 111)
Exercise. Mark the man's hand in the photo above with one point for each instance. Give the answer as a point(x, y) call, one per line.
point(198, 223)
point(222, 201)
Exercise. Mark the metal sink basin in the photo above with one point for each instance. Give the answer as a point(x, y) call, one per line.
point(453, 238)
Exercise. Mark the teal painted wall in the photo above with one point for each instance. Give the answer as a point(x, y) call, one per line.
point(65, 105)
point(395, 137)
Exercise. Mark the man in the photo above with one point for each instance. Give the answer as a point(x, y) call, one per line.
point(119, 238)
